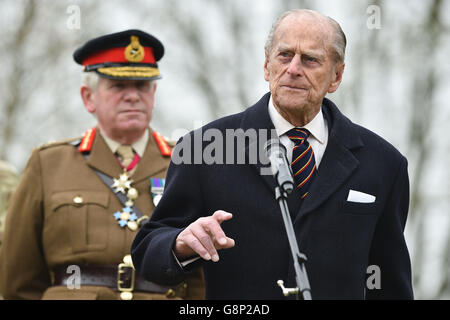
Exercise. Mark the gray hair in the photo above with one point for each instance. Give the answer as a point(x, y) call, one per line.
point(90, 79)
point(339, 41)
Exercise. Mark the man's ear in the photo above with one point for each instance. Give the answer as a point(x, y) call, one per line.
point(337, 78)
point(266, 68)
point(87, 95)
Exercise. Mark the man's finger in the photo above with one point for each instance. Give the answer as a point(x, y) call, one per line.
point(196, 245)
point(216, 231)
point(204, 237)
point(229, 243)
point(222, 216)
point(201, 232)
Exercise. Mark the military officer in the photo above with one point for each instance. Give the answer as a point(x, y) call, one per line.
point(79, 202)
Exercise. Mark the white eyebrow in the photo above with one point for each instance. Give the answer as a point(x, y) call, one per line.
point(310, 52)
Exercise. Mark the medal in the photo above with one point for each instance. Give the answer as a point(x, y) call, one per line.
point(132, 225)
point(123, 183)
point(156, 199)
point(126, 217)
point(157, 189)
point(132, 193)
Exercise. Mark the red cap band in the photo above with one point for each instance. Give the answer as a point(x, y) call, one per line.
point(117, 55)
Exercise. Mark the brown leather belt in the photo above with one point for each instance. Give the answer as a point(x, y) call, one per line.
point(117, 277)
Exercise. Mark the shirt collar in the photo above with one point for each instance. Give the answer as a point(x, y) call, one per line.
point(316, 126)
point(139, 146)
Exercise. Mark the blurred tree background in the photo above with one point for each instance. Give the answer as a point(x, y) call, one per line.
point(396, 83)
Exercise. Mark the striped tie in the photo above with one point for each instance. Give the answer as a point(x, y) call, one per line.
point(303, 161)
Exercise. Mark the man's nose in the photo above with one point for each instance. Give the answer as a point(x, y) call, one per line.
point(295, 67)
point(131, 94)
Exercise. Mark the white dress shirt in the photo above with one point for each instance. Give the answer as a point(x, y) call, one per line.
point(318, 128)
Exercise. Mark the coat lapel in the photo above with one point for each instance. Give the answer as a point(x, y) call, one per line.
point(102, 159)
point(338, 162)
point(152, 161)
point(257, 117)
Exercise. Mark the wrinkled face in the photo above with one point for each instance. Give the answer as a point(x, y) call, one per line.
point(300, 68)
point(122, 106)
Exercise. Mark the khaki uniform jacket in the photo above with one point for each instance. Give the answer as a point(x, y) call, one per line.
point(8, 181)
point(46, 229)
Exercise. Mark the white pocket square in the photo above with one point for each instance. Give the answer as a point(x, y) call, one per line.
point(361, 197)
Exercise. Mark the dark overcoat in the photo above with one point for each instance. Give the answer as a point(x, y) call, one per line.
point(340, 239)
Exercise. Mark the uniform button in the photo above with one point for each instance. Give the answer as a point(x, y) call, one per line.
point(78, 200)
point(128, 260)
point(171, 293)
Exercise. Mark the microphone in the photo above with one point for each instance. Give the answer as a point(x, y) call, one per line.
point(281, 170)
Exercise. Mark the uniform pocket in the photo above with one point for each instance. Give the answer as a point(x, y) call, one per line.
point(63, 293)
point(86, 217)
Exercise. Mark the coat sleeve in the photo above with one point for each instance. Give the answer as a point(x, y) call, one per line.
point(389, 251)
point(180, 205)
point(23, 270)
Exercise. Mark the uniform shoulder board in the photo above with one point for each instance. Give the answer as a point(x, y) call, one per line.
point(163, 144)
point(72, 141)
point(87, 140)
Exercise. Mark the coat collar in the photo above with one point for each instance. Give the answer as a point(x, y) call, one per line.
point(338, 161)
point(139, 146)
point(257, 117)
point(102, 159)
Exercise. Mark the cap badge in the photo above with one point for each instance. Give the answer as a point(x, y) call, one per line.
point(134, 52)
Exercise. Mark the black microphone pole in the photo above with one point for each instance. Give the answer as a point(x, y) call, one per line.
point(281, 170)
point(299, 259)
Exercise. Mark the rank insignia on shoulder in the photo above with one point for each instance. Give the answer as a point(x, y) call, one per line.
point(157, 189)
point(87, 140)
point(162, 144)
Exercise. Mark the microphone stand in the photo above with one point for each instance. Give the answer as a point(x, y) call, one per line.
point(282, 172)
point(301, 276)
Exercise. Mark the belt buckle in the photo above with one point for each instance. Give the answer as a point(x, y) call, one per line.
point(125, 292)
